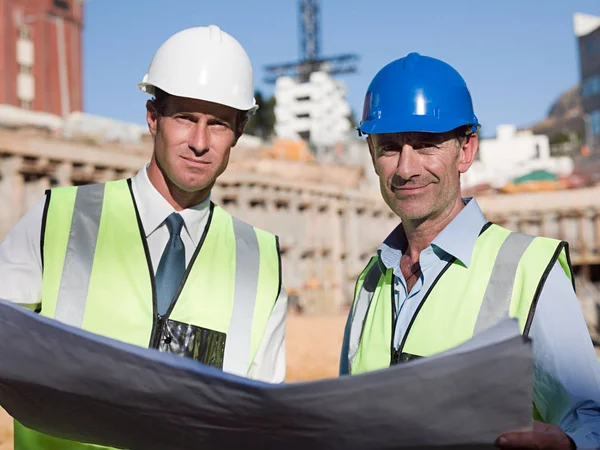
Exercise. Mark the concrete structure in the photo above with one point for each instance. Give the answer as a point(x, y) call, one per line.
point(316, 111)
point(41, 55)
point(587, 31)
point(511, 154)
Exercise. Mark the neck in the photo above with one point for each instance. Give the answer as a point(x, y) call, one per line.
point(177, 197)
point(421, 233)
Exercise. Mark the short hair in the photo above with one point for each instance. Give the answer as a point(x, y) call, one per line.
point(160, 100)
point(463, 133)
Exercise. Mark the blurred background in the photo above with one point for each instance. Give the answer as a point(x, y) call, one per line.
point(70, 114)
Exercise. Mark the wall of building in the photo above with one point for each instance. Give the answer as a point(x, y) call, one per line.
point(511, 154)
point(316, 111)
point(587, 31)
point(40, 42)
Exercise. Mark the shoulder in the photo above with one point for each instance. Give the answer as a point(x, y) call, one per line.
point(253, 236)
point(25, 236)
point(32, 218)
point(85, 193)
point(494, 230)
point(239, 225)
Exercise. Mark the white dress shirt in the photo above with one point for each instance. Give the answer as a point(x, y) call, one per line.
point(21, 266)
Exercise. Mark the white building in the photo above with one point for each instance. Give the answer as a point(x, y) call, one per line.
point(316, 111)
point(511, 154)
point(584, 24)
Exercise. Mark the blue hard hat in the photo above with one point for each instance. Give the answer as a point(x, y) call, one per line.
point(417, 93)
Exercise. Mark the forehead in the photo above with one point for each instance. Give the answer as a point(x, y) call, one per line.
point(412, 136)
point(175, 105)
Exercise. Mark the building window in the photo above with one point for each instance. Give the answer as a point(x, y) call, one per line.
point(595, 116)
point(303, 116)
point(590, 45)
point(537, 151)
point(590, 86)
point(62, 4)
point(25, 104)
point(26, 70)
point(25, 32)
point(304, 135)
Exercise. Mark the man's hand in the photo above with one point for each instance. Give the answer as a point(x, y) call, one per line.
point(543, 437)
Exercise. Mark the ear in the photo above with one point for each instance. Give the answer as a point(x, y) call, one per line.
point(151, 117)
point(242, 121)
point(467, 153)
point(372, 152)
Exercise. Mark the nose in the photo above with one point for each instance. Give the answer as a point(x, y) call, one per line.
point(409, 165)
point(199, 137)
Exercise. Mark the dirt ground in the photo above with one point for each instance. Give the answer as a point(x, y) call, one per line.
point(313, 350)
point(5, 431)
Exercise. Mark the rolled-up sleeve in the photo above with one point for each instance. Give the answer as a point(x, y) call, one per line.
point(566, 367)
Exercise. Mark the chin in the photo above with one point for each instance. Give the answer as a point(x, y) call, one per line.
point(187, 185)
point(409, 209)
point(194, 187)
point(412, 215)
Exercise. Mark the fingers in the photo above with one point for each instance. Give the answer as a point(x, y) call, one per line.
point(519, 439)
point(543, 436)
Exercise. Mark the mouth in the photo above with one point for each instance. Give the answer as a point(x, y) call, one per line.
point(195, 161)
point(408, 189)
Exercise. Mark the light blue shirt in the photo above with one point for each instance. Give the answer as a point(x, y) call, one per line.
point(566, 368)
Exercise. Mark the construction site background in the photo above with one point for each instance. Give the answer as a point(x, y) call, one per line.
point(312, 183)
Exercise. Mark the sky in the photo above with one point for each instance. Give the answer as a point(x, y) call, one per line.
point(517, 56)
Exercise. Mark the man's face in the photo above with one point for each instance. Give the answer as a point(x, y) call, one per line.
point(192, 140)
point(419, 173)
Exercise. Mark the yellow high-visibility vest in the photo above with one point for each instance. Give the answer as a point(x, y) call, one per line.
point(97, 275)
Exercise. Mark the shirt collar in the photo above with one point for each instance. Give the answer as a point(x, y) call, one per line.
point(459, 236)
point(154, 208)
point(457, 239)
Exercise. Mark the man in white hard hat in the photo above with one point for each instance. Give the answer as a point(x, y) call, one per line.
point(151, 260)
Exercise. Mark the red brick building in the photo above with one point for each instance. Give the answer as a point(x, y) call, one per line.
point(40, 55)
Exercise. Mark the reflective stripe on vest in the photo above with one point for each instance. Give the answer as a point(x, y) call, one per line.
point(79, 257)
point(505, 277)
point(496, 300)
point(237, 348)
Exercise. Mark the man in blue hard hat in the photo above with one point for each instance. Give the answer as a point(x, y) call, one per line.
point(446, 273)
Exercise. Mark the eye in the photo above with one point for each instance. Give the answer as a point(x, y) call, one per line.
point(424, 146)
point(185, 118)
point(218, 125)
point(388, 149)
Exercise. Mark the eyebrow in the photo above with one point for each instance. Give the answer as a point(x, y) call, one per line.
point(186, 112)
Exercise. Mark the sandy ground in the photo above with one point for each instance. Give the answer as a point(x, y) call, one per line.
point(313, 348)
point(5, 431)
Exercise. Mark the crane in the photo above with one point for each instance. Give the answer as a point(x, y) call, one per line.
point(310, 55)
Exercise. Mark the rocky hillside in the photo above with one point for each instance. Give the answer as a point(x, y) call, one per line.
point(565, 118)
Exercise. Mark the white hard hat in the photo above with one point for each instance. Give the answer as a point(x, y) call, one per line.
point(204, 63)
